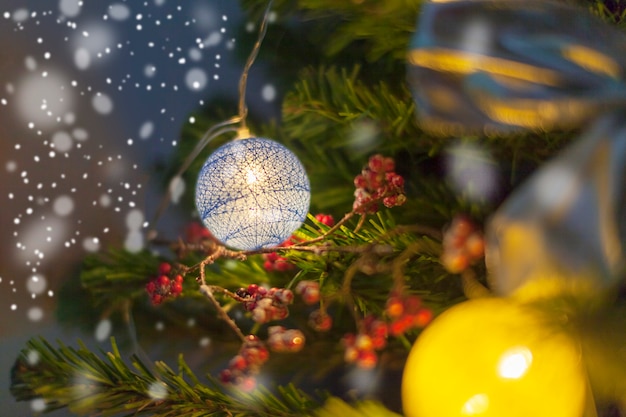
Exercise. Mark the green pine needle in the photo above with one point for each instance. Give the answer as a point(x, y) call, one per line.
point(90, 384)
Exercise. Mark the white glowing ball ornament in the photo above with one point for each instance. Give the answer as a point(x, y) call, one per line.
point(252, 193)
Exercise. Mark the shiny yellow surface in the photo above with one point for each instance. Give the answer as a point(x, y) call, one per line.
point(592, 60)
point(490, 357)
point(541, 114)
point(450, 60)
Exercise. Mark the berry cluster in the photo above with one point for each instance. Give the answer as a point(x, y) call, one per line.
point(246, 365)
point(406, 312)
point(361, 348)
point(281, 339)
point(320, 321)
point(376, 182)
point(274, 262)
point(266, 304)
point(163, 287)
point(325, 219)
point(309, 291)
point(463, 244)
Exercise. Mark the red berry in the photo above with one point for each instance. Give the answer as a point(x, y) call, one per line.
point(475, 245)
point(156, 299)
point(163, 281)
point(268, 266)
point(164, 268)
point(379, 342)
point(284, 295)
point(179, 279)
point(374, 180)
point(325, 219)
point(363, 342)
point(351, 354)
point(360, 181)
point(376, 163)
point(311, 295)
point(177, 288)
point(272, 256)
point(253, 289)
point(367, 359)
point(151, 287)
point(247, 384)
point(412, 303)
point(319, 321)
point(302, 285)
point(389, 164)
point(423, 317)
point(394, 179)
point(278, 312)
point(396, 328)
point(238, 362)
point(285, 340)
point(454, 262)
point(295, 340)
point(390, 201)
point(255, 355)
point(394, 307)
point(226, 376)
point(378, 329)
point(282, 265)
point(361, 195)
point(259, 315)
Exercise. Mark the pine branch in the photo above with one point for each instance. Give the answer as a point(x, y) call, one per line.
point(336, 407)
point(117, 276)
point(384, 27)
point(88, 384)
point(332, 118)
point(338, 98)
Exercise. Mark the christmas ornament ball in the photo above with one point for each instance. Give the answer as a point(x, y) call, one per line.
point(489, 357)
point(252, 193)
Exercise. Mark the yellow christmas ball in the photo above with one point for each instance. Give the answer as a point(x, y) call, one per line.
point(490, 357)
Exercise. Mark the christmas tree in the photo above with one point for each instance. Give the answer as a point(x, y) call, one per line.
point(321, 321)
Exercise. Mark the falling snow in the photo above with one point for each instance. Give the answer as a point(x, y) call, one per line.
point(157, 390)
point(268, 92)
point(38, 405)
point(118, 11)
point(103, 330)
point(36, 284)
point(96, 99)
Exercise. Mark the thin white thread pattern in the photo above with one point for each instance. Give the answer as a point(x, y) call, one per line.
point(252, 193)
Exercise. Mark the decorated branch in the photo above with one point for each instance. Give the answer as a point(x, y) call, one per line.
point(355, 242)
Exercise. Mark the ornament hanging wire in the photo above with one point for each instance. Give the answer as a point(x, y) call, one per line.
point(219, 129)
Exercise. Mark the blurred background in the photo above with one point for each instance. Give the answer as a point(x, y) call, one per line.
point(93, 97)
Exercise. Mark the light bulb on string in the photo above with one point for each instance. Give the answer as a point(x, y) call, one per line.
point(252, 192)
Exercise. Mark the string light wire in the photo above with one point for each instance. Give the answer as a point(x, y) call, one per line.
point(220, 128)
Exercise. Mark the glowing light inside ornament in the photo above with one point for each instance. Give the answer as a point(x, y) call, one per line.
point(515, 362)
point(252, 193)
